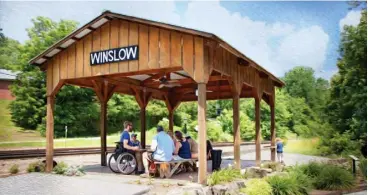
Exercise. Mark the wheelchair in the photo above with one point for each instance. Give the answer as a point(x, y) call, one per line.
point(122, 160)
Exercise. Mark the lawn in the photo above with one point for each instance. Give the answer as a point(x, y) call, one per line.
point(9, 132)
point(303, 146)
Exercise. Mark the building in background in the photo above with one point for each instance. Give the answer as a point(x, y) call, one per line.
point(7, 77)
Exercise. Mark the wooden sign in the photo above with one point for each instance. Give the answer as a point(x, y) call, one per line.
point(114, 55)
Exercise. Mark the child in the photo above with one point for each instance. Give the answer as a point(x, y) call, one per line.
point(134, 141)
point(280, 150)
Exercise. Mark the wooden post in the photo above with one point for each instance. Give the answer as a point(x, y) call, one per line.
point(50, 133)
point(258, 132)
point(143, 126)
point(171, 121)
point(273, 133)
point(103, 92)
point(236, 127)
point(202, 131)
point(103, 125)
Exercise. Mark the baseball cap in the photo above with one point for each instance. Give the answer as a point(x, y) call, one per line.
point(134, 135)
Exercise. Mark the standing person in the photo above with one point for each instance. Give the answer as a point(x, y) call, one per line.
point(279, 150)
point(182, 147)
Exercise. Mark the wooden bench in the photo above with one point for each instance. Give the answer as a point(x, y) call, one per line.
point(165, 169)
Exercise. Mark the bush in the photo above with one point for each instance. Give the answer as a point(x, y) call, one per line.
point(311, 169)
point(74, 171)
point(334, 178)
point(14, 169)
point(224, 176)
point(363, 167)
point(257, 187)
point(60, 168)
point(271, 165)
point(304, 183)
point(283, 185)
point(36, 167)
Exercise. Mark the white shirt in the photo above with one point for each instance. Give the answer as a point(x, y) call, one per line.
point(163, 146)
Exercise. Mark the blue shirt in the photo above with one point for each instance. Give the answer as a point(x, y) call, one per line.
point(136, 143)
point(280, 147)
point(125, 136)
point(184, 150)
point(163, 147)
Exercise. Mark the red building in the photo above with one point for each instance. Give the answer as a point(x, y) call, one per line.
point(7, 77)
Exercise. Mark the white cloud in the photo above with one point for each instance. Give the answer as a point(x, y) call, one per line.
point(352, 18)
point(295, 47)
point(276, 46)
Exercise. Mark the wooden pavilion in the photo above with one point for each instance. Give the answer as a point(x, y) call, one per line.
point(116, 53)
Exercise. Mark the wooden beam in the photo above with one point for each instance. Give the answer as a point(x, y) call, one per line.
point(258, 131)
point(98, 90)
point(150, 79)
point(50, 133)
point(103, 129)
point(273, 132)
point(143, 126)
point(148, 89)
point(202, 131)
point(236, 127)
point(171, 121)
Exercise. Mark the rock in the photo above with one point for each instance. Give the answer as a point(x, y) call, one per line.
point(238, 184)
point(207, 190)
point(220, 190)
point(256, 172)
point(268, 170)
point(180, 183)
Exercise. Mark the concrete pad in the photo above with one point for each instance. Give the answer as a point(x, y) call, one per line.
point(45, 184)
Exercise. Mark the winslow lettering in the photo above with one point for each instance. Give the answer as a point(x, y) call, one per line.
point(114, 55)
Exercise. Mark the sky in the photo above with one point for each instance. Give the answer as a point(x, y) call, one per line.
point(277, 35)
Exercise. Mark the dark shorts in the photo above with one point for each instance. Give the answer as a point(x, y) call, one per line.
point(279, 152)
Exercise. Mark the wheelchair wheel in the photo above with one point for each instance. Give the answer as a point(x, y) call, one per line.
point(113, 165)
point(127, 163)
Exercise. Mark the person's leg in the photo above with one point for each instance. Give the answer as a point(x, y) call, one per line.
point(278, 157)
point(194, 155)
point(145, 161)
point(281, 157)
point(138, 156)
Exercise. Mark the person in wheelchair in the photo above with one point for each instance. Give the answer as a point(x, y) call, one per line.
point(129, 146)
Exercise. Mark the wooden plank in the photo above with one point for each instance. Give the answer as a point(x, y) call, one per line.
point(55, 72)
point(153, 54)
point(49, 72)
point(188, 52)
point(199, 73)
point(171, 121)
point(236, 127)
point(164, 48)
point(87, 69)
point(71, 61)
point(96, 46)
point(63, 64)
point(143, 127)
point(50, 133)
point(202, 131)
point(175, 48)
point(123, 42)
point(143, 47)
point(133, 40)
point(103, 127)
point(114, 43)
point(258, 131)
point(105, 44)
point(273, 133)
point(79, 60)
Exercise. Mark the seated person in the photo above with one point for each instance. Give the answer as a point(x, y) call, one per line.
point(193, 147)
point(127, 144)
point(134, 141)
point(182, 148)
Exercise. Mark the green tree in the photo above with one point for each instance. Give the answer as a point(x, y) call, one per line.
point(347, 106)
point(9, 53)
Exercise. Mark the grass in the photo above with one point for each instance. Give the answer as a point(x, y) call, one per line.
point(303, 146)
point(14, 169)
point(9, 132)
point(71, 142)
point(224, 176)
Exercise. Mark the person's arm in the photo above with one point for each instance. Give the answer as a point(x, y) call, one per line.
point(178, 146)
point(126, 145)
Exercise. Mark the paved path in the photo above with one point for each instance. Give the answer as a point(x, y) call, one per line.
point(45, 184)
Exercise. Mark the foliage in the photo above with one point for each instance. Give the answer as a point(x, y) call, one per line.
point(36, 167)
point(257, 187)
point(14, 169)
point(60, 168)
point(74, 171)
point(283, 185)
point(223, 176)
point(271, 165)
point(363, 167)
point(303, 146)
point(335, 143)
point(347, 105)
point(304, 183)
point(334, 178)
point(9, 53)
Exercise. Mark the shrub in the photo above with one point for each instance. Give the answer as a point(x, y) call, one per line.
point(283, 185)
point(60, 168)
point(363, 167)
point(74, 171)
point(334, 178)
point(304, 183)
point(36, 167)
point(311, 169)
point(257, 187)
point(224, 175)
point(14, 169)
